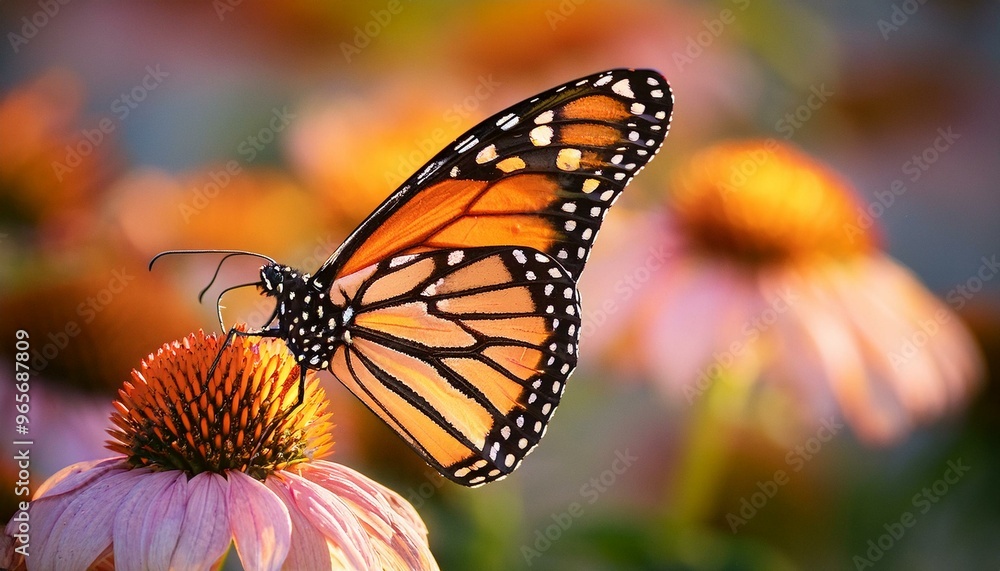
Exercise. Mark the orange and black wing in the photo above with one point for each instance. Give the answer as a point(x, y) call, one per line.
point(540, 174)
point(464, 352)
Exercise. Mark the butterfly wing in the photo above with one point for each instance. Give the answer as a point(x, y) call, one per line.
point(465, 353)
point(459, 292)
point(540, 174)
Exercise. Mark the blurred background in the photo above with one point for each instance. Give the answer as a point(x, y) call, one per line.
point(129, 129)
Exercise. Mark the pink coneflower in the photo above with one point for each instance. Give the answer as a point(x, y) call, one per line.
point(210, 464)
point(771, 283)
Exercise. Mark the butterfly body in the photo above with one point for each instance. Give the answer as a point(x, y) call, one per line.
point(311, 325)
point(452, 311)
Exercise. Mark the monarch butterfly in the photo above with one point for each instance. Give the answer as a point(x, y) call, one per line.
point(452, 310)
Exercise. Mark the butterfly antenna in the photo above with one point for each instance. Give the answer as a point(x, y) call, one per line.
point(218, 302)
point(218, 269)
point(230, 252)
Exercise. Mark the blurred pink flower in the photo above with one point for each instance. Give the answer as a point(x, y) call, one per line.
point(211, 463)
point(760, 271)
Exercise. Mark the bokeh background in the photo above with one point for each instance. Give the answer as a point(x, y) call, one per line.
point(131, 128)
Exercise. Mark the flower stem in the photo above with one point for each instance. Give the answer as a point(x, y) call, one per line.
point(713, 432)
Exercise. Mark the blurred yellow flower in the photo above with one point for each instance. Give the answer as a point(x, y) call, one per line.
point(226, 205)
point(766, 275)
point(50, 172)
point(352, 152)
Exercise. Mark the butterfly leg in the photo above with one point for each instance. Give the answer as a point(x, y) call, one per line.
point(229, 339)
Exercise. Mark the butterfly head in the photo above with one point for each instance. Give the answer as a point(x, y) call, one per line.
point(273, 278)
point(311, 325)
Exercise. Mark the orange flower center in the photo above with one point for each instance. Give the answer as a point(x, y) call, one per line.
point(173, 416)
point(761, 202)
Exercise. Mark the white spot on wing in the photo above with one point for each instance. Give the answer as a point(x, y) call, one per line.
point(544, 118)
point(509, 124)
point(467, 144)
point(504, 119)
point(623, 88)
point(400, 260)
point(487, 154)
point(568, 159)
point(541, 136)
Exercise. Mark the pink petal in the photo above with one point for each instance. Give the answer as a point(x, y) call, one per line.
point(637, 252)
point(702, 310)
point(795, 364)
point(260, 524)
point(950, 348)
point(72, 529)
point(882, 321)
point(78, 475)
point(205, 534)
point(830, 357)
point(318, 513)
point(363, 492)
point(915, 346)
point(398, 534)
point(149, 521)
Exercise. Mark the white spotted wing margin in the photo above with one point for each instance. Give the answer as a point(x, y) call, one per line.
point(591, 136)
point(465, 353)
